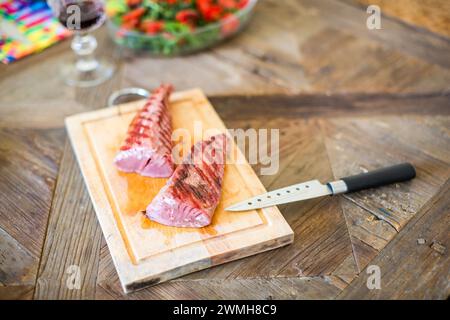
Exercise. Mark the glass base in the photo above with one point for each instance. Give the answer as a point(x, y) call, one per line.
point(77, 77)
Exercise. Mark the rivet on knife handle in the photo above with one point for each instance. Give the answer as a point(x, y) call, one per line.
point(376, 178)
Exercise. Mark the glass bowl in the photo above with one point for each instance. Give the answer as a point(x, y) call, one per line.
point(165, 44)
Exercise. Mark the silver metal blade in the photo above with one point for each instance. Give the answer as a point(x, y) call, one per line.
point(296, 192)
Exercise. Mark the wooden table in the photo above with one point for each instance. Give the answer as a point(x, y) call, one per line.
point(345, 98)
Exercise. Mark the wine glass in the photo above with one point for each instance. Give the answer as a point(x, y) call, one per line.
point(82, 16)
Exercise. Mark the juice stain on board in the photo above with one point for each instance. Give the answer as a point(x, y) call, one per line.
point(140, 191)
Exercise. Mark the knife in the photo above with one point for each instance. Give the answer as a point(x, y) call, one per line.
point(313, 189)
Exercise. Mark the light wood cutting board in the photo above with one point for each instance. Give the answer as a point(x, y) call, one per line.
point(145, 252)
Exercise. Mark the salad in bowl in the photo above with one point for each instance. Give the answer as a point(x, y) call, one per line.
point(174, 27)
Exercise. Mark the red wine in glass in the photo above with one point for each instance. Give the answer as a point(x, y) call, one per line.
point(82, 16)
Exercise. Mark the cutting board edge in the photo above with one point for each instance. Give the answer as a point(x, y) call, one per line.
point(138, 283)
point(131, 275)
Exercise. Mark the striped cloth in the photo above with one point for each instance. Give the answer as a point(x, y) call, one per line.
point(27, 26)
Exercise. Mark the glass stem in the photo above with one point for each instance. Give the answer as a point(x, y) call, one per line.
point(84, 47)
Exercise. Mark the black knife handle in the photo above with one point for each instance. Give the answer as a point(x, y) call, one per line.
point(380, 177)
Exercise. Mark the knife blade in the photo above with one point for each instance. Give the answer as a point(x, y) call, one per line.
point(313, 189)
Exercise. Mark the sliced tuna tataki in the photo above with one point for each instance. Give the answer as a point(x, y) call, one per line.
point(192, 193)
point(147, 149)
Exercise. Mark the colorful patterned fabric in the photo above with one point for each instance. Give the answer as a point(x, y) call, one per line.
point(27, 26)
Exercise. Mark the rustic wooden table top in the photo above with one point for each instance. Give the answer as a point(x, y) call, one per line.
point(345, 99)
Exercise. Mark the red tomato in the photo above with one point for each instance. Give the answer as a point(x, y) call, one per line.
point(230, 24)
point(186, 16)
point(130, 24)
point(152, 27)
point(212, 12)
point(228, 4)
point(133, 14)
point(203, 5)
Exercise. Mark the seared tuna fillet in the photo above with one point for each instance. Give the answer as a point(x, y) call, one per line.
point(147, 150)
point(192, 193)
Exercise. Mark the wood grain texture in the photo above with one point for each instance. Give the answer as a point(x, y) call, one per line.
point(242, 107)
point(271, 56)
point(28, 158)
point(335, 240)
point(319, 48)
point(429, 14)
point(18, 266)
point(73, 239)
point(365, 235)
point(287, 49)
point(259, 288)
point(368, 234)
point(208, 284)
point(350, 153)
point(322, 241)
point(20, 292)
point(349, 17)
point(410, 270)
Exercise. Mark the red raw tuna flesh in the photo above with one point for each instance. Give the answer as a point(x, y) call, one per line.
point(147, 150)
point(192, 193)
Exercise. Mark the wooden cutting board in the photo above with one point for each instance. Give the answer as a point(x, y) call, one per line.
point(145, 252)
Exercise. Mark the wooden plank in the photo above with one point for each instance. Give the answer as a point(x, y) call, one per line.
point(369, 235)
point(29, 162)
point(102, 294)
point(429, 14)
point(266, 58)
point(286, 116)
point(236, 66)
point(28, 167)
point(20, 292)
point(350, 18)
point(69, 262)
point(334, 240)
point(284, 107)
point(17, 265)
point(249, 63)
point(322, 242)
point(379, 214)
point(375, 76)
point(409, 269)
point(344, 274)
point(190, 256)
point(365, 227)
point(421, 141)
point(216, 287)
point(237, 289)
point(271, 56)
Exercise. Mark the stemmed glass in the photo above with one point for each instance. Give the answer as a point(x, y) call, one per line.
point(83, 16)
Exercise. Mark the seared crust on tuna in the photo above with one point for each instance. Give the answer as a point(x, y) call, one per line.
point(192, 193)
point(147, 149)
